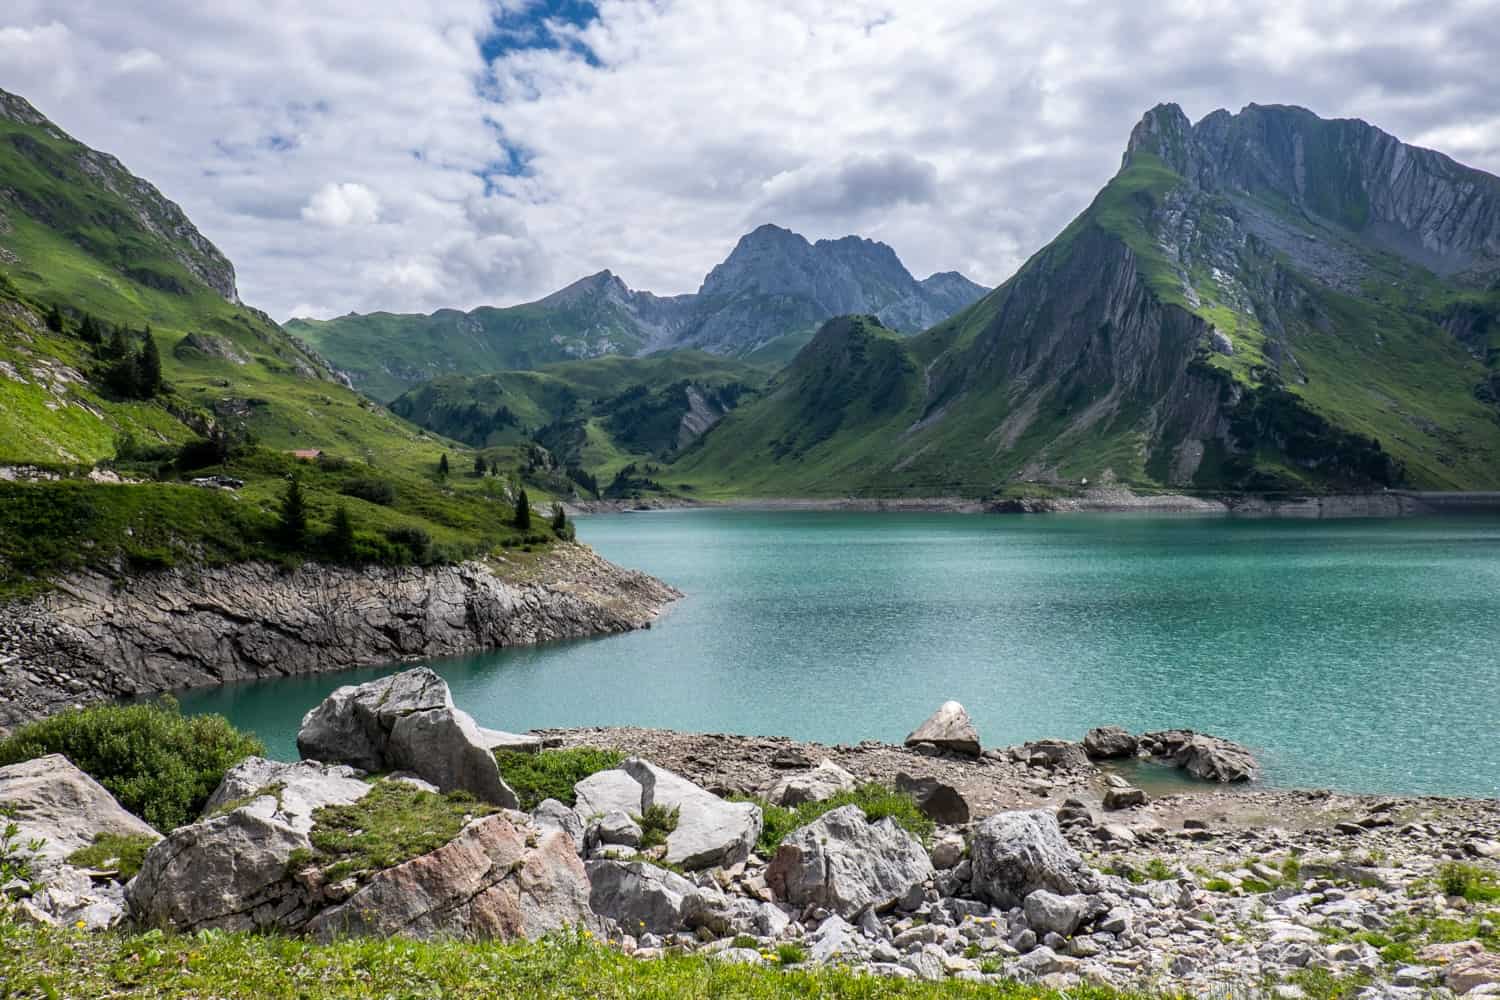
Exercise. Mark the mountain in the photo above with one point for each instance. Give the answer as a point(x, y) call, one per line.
point(1265, 300)
point(125, 352)
point(768, 296)
point(81, 235)
point(598, 415)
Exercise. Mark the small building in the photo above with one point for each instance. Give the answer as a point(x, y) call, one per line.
point(308, 454)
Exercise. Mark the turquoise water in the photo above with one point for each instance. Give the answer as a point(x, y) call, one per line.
point(1357, 655)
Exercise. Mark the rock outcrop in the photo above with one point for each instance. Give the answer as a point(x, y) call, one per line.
point(844, 862)
point(54, 802)
point(949, 728)
point(1017, 853)
point(710, 832)
point(1109, 743)
point(406, 722)
point(95, 638)
point(814, 785)
point(1208, 757)
point(500, 878)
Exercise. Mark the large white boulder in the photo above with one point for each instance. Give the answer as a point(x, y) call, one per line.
point(1016, 853)
point(949, 728)
point(52, 801)
point(846, 863)
point(710, 831)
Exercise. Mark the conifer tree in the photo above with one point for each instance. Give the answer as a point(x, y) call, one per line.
point(480, 468)
point(443, 466)
point(559, 520)
point(148, 368)
point(291, 525)
point(341, 535)
point(523, 511)
point(55, 319)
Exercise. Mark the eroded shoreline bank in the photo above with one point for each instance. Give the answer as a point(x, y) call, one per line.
point(95, 638)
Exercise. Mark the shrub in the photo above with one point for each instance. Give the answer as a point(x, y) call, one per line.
point(120, 852)
point(875, 800)
point(1476, 884)
point(551, 774)
point(373, 490)
point(416, 541)
point(158, 764)
point(657, 823)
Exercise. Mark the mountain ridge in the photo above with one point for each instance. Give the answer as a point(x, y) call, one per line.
point(774, 284)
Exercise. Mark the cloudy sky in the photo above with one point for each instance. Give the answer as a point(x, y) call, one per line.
point(375, 154)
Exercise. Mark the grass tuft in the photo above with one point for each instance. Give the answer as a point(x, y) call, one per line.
point(551, 774)
point(121, 853)
point(395, 822)
point(877, 802)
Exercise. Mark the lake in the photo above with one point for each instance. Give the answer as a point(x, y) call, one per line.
point(1360, 655)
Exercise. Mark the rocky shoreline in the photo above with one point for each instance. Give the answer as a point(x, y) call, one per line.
point(97, 638)
point(1391, 503)
point(1036, 863)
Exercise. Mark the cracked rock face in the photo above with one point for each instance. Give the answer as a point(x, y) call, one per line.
point(96, 639)
point(500, 878)
point(51, 800)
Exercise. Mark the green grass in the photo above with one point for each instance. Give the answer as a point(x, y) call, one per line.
point(395, 822)
point(1471, 882)
point(551, 774)
point(112, 851)
point(877, 802)
point(158, 764)
point(53, 963)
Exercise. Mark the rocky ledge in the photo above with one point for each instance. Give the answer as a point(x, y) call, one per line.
point(1041, 863)
point(94, 637)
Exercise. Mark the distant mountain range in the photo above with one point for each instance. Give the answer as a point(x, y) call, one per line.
point(764, 302)
point(1261, 301)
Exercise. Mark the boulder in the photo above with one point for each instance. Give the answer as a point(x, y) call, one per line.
point(1203, 756)
point(1471, 972)
point(605, 792)
point(1109, 743)
point(351, 726)
point(948, 851)
point(949, 728)
point(820, 783)
point(710, 831)
point(615, 827)
point(228, 872)
point(1123, 798)
point(297, 789)
point(72, 898)
point(1055, 754)
point(52, 801)
point(501, 878)
point(640, 897)
point(725, 916)
point(845, 863)
point(1047, 912)
point(1016, 853)
point(406, 722)
point(553, 815)
point(938, 800)
point(230, 869)
point(445, 746)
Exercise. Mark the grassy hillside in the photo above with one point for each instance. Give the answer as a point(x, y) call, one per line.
point(1156, 342)
point(387, 353)
point(598, 416)
point(95, 265)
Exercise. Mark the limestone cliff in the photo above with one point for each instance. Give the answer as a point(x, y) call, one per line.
point(97, 638)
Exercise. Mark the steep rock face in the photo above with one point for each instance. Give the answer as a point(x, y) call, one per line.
point(1414, 202)
point(95, 639)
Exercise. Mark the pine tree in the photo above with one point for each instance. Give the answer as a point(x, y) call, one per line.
point(523, 511)
point(55, 319)
point(559, 520)
point(443, 466)
point(480, 468)
point(88, 330)
point(119, 347)
point(291, 526)
point(148, 368)
point(341, 535)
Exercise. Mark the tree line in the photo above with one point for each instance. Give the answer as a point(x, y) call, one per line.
point(131, 361)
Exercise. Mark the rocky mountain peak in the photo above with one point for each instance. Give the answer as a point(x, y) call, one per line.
point(601, 284)
point(1164, 132)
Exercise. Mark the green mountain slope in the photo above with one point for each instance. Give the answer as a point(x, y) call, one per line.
point(764, 302)
point(598, 415)
point(99, 273)
point(1219, 318)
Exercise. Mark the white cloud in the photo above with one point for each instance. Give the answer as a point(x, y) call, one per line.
point(363, 154)
point(346, 204)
